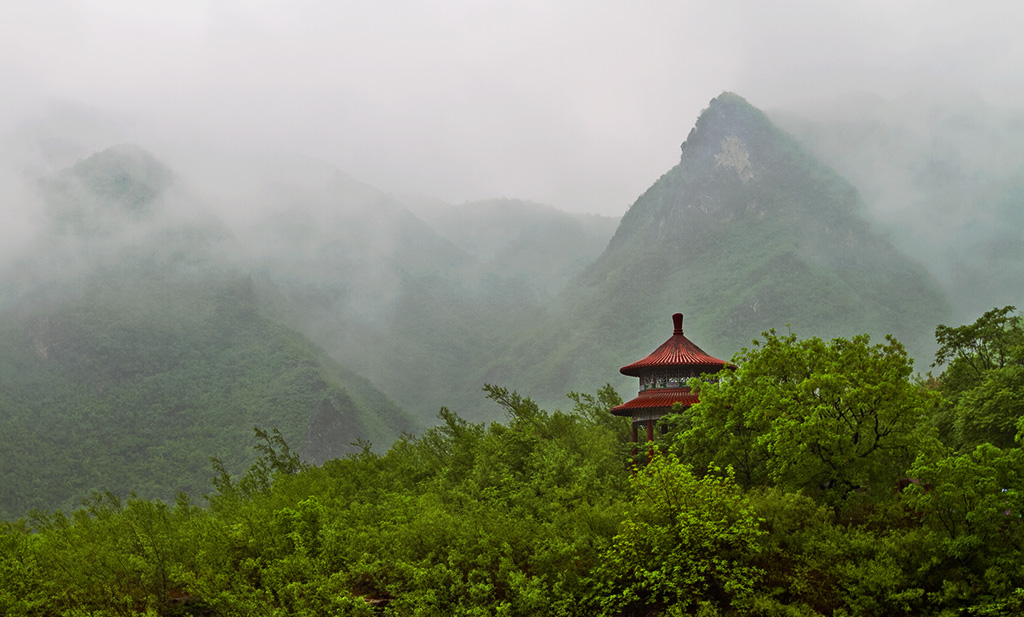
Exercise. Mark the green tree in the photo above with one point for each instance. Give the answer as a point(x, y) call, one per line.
point(815, 564)
point(22, 579)
point(687, 544)
point(983, 380)
point(833, 419)
point(971, 543)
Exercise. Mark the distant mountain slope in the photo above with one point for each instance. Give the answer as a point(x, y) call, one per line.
point(748, 232)
point(344, 242)
point(119, 184)
point(374, 285)
point(528, 244)
point(416, 301)
point(944, 179)
point(132, 351)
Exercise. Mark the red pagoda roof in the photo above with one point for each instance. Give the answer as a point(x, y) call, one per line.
point(660, 398)
point(676, 351)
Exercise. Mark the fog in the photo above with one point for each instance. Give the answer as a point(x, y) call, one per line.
point(359, 162)
point(576, 104)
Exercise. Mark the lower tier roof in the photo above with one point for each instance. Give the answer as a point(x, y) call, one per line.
point(657, 398)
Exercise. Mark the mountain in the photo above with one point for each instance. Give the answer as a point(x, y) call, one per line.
point(416, 296)
point(349, 266)
point(132, 350)
point(97, 194)
point(749, 231)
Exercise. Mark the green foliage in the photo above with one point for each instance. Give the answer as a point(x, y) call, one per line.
point(993, 341)
point(835, 420)
point(540, 515)
point(136, 383)
point(983, 379)
point(970, 505)
point(687, 543)
point(466, 519)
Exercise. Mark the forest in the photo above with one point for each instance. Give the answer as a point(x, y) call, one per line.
point(820, 477)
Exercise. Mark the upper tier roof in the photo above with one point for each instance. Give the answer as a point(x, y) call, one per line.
point(676, 351)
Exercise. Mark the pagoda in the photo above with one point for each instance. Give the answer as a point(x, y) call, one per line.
point(663, 380)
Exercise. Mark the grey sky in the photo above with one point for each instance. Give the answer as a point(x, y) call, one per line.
point(579, 104)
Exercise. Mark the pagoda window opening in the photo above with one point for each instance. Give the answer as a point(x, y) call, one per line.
point(666, 378)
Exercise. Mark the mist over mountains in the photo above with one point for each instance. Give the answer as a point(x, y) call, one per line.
point(134, 348)
point(151, 317)
point(943, 180)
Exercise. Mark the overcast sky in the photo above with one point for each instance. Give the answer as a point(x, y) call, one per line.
point(580, 104)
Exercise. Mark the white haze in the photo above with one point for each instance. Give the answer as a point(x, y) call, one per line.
point(578, 104)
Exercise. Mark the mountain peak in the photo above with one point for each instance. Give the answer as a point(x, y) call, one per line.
point(728, 111)
point(734, 165)
point(125, 173)
point(95, 193)
point(755, 232)
point(728, 133)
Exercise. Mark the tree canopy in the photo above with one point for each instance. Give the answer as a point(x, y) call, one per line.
point(808, 482)
point(827, 418)
point(983, 378)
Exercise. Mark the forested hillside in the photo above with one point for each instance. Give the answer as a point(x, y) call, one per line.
point(818, 478)
point(419, 298)
point(131, 351)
